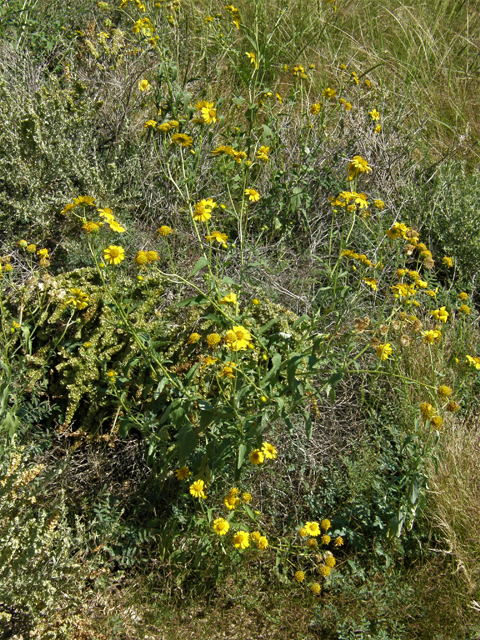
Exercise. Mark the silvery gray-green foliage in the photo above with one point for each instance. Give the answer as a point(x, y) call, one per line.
point(42, 569)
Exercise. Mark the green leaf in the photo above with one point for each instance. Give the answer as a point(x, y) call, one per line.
point(308, 426)
point(201, 262)
point(195, 301)
point(10, 424)
point(242, 449)
point(250, 512)
point(276, 363)
point(298, 321)
point(187, 441)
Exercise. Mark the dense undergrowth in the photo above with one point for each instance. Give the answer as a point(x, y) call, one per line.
point(239, 331)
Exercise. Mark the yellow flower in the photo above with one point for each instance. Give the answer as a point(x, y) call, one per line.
point(384, 351)
point(203, 210)
point(396, 231)
point(152, 256)
point(182, 139)
point(91, 227)
point(68, 207)
point(22, 244)
point(256, 457)
point(87, 345)
point(228, 370)
point(339, 541)
point(452, 406)
point(255, 301)
point(378, 128)
point(231, 298)
point(357, 165)
point(326, 538)
point(299, 576)
point(209, 361)
point(367, 83)
point(111, 374)
point(43, 253)
point(209, 114)
point(371, 282)
point(374, 115)
point(182, 473)
point(247, 497)
point(221, 526)
point(326, 524)
point(262, 542)
point(269, 451)
point(330, 561)
point(165, 231)
point(83, 201)
point(252, 194)
point(31, 248)
point(141, 258)
point(106, 213)
point(465, 309)
point(315, 588)
point(325, 571)
point(241, 539)
point(150, 123)
point(193, 338)
point(440, 314)
point(427, 410)
point(316, 108)
point(312, 543)
point(238, 338)
point(113, 255)
point(448, 262)
point(255, 536)
point(474, 361)
point(463, 296)
point(437, 421)
point(444, 391)
point(313, 529)
point(432, 336)
point(231, 501)
point(262, 153)
point(197, 489)
point(213, 340)
point(114, 226)
point(329, 93)
point(78, 299)
point(379, 204)
point(253, 59)
point(217, 236)
point(144, 85)
point(302, 532)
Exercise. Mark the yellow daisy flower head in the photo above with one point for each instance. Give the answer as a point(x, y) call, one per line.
point(255, 536)
point(221, 526)
point(213, 340)
point(241, 539)
point(68, 207)
point(253, 59)
point(78, 299)
point(325, 570)
point(444, 391)
point(313, 529)
point(193, 338)
point(22, 244)
point(115, 226)
point(228, 370)
point(203, 210)
point(464, 308)
point(269, 450)
point(372, 283)
point(234, 492)
point(217, 236)
point(461, 296)
point(440, 314)
point(31, 248)
point(84, 201)
point(315, 588)
point(437, 421)
point(208, 361)
point(106, 213)
point(356, 166)
point(326, 524)
point(152, 256)
point(302, 532)
point(238, 338)
point(374, 115)
point(384, 351)
point(209, 115)
point(329, 93)
point(427, 410)
point(111, 374)
point(330, 561)
point(231, 501)
point(312, 543)
point(182, 473)
point(448, 262)
point(326, 539)
point(252, 194)
point(182, 139)
point(165, 231)
point(141, 258)
point(262, 542)
point(432, 336)
point(197, 489)
point(379, 204)
point(247, 497)
point(256, 457)
point(144, 85)
point(315, 108)
point(91, 227)
point(452, 406)
point(474, 361)
point(113, 254)
point(299, 576)
point(43, 253)
point(150, 123)
point(378, 129)
point(231, 298)
point(339, 542)
point(262, 153)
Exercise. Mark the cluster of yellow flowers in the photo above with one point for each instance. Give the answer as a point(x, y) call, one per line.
point(236, 339)
point(42, 254)
point(310, 532)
